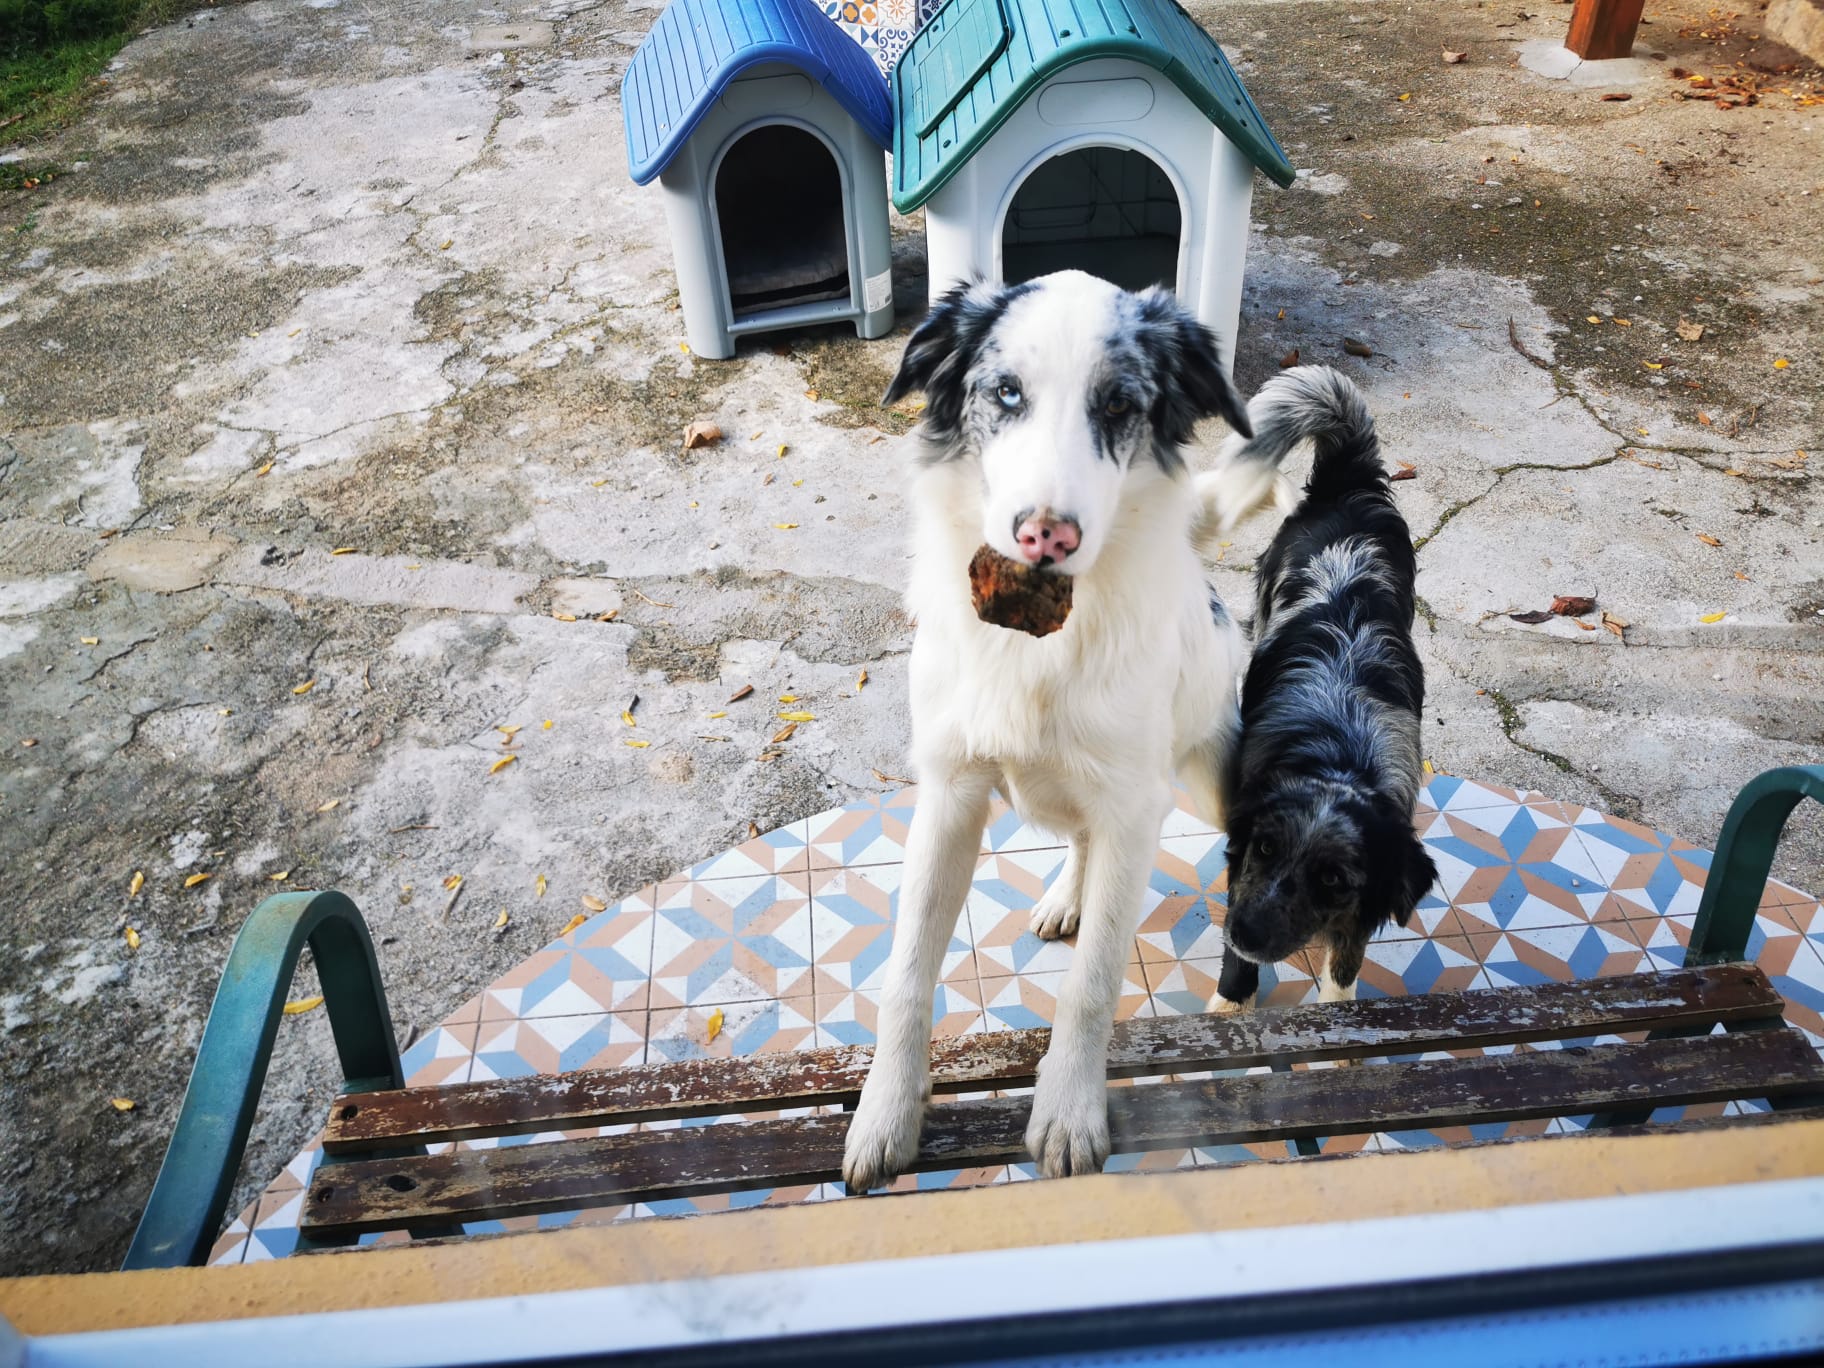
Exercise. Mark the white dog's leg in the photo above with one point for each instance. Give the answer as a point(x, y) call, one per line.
point(1068, 1131)
point(1060, 909)
point(940, 861)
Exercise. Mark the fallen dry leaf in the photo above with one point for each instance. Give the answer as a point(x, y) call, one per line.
point(1781, 364)
point(627, 717)
point(280, 877)
point(90, 641)
point(343, 551)
point(263, 471)
point(1429, 771)
point(1407, 471)
point(573, 923)
point(1357, 348)
point(785, 527)
point(500, 922)
point(1532, 619)
point(701, 435)
point(1454, 58)
point(861, 683)
point(744, 691)
point(1592, 319)
point(608, 616)
point(501, 763)
point(329, 806)
point(593, 903)
point(547, 725)
point(1289, 360)
point(122, 1104)
point(1654, 365)
point(1690, 331)
point(887, 778)
point(452, 883)
point(1713, 617)
point(1585, 626)
point(1703, 418)
point(637, 745)
point(753, 831)
point(1623, 322)
point(305, 687)
point(1792, 462)
point(509, 732)
point(298, 1006)
point(1708, 540)
point(782, 450)
point(715, 1023)
point(1617, 96)
point(196, 879)
point(785, 733)
point(132, 939)
point(1571, 605)
point(797, 717)
point(139, 882)
point(564, 617)
point(713, 716)
point(539, 884)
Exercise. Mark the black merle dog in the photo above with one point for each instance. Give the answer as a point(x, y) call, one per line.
point(1321, 788)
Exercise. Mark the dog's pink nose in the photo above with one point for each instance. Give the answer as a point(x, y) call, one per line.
point(1045, 536)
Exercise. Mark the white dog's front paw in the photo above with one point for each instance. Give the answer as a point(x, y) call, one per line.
point(1068, 1130)
point(1222, 1006)
point(882, 1138)
point(1057, 913)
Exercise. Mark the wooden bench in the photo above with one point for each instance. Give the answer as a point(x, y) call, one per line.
point(1712, 1032)
point(356, 1193)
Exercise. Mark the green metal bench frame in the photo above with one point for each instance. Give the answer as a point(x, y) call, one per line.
point(190, 1196)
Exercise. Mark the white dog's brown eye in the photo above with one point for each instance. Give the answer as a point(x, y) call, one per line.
point(1009, 395)
point(1117, 406)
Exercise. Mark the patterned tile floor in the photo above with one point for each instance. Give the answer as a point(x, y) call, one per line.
point(787, 936)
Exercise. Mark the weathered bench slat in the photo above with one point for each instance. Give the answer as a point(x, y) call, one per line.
point(714, 1087)
point(363, 1195)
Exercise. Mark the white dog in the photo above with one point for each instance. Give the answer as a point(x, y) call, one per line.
point(1056, 410)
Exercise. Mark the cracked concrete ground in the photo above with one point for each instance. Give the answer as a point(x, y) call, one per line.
point(341, 352)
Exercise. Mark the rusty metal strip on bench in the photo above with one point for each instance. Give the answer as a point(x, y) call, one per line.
point(1008, 1059)
point(525, 1180)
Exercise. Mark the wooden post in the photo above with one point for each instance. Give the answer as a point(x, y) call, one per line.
point(1601, 29)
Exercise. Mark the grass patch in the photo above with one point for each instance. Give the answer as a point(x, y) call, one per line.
point(51, 51)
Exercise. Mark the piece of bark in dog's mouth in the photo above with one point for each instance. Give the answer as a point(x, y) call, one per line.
point(1021, 598)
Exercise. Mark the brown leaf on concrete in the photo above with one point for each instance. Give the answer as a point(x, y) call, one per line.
point(1355, 348)
point(1407, 471)
point(1571, 605)
point(1454, 58)
point(701, 435)
point(1532, 619)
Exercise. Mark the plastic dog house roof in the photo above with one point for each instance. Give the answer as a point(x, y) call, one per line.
point(974, 64)
point(698, 47)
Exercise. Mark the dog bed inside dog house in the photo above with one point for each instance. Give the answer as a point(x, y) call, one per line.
point(767, 128)
point(1041, 135)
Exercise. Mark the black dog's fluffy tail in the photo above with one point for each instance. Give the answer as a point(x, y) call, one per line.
point(1313, 402)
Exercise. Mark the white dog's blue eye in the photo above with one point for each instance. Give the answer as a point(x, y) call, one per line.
point(1009, 396)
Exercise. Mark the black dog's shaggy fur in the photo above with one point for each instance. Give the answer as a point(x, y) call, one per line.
point(1322, 786)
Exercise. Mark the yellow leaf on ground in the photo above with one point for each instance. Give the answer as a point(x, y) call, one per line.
point(1428, 769)
point(785, 733)
point(593, 903)
point(305, 687)
point(452, 883)
point(1781, 364)
point(1624, 323)
point(1713, 617)
point(718, 714)
point(564, 617)
point(1592, 319)
point(196, 879)
point(132, 939)
point(501, 763)
point(342, 551)
point(330, 806)
point(861, 683)
point(627, 717)
point(139, 882)
point(715, 1023)
point(788, 698)
point(90, 641)
point(785, 527)
point(446, 244)
point(797, 717)
point(548, 725)
point(573, 923)
point(122, 1103)
point(298, 1006)
point(782, 450)
point(263, 471)
point(539, 884)
point(1643, 432)
point(1407, 96)
point(639, 745)
point(501, 920)
point(509, 731)
point(226, 712)
point(1654, 365)
point(280, 877)
point(684, 347)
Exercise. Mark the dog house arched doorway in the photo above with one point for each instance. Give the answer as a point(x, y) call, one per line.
point(1110, 211)
point(782, 221)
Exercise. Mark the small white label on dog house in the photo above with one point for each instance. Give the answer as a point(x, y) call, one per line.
point(877, 291)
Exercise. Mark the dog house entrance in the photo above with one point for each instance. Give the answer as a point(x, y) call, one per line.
point(1105, 210)
point(784, 235)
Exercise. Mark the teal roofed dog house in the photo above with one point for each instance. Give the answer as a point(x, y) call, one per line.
point(1114, 138)
point(767, 128)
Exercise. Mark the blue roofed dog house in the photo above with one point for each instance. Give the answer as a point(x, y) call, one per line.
point(1113, 137)
point(767, 128)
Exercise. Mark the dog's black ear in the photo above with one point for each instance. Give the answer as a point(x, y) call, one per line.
point(944, 347)
point(1400, 872)
point(1193, 383)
